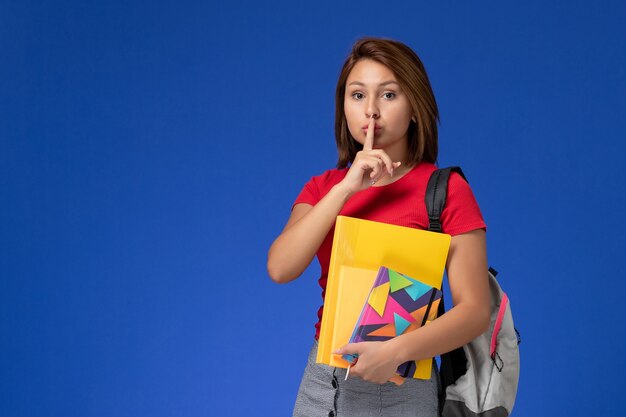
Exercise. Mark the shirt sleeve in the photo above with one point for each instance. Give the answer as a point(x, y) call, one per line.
point(310, 193)
point(318, 186)
point(461, 213)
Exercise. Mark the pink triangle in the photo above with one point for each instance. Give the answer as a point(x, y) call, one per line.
point(370, 316)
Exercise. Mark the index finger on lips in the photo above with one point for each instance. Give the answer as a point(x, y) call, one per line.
point(369, 137)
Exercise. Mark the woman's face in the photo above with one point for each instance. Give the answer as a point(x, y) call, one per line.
point(372, 88)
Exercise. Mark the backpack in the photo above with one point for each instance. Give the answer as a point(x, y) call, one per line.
point(480, 378)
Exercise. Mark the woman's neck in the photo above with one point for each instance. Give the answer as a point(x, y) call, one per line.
point(397, 150)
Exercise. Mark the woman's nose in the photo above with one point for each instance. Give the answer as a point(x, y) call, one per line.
point(372, 110)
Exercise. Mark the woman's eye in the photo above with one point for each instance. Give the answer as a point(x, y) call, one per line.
point(389, 95)
point(357, 96)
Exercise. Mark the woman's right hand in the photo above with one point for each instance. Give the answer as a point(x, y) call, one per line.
point(369, 165)
point(308, 226)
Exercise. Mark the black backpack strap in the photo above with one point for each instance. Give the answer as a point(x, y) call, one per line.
point(453, 363)
point(436, 194)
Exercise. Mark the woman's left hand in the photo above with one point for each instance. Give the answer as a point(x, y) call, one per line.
point(376, 363)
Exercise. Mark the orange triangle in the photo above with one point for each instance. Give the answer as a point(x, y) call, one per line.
point(432, 315)
point(388, 330)
point(418, 314)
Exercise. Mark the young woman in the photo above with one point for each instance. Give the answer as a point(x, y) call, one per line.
point(386, 132)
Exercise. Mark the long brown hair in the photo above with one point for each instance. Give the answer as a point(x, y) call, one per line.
point(412, 77)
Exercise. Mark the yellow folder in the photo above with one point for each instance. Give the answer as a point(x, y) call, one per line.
point(360, 248)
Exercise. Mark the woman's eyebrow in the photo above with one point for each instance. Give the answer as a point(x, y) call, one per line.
point(381, 84)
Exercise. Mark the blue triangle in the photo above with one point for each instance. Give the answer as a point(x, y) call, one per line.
point(401, 324)
point(418, 289)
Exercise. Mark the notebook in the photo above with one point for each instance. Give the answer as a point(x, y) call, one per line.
point(396, 305)
point(359, 249)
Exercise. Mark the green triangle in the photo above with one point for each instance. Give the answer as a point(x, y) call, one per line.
point(398, 281)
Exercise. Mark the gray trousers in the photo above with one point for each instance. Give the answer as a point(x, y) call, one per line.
point(324, 393)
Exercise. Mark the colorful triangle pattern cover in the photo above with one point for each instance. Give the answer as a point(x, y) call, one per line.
point(396, 305)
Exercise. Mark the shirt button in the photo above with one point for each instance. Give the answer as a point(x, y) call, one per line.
point(331, 414)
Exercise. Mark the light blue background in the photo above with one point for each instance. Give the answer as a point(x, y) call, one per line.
point(150, 152)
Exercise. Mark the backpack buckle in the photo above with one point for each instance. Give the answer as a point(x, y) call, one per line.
point(434, 226)
point(497, 361)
